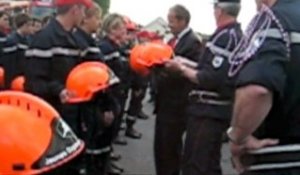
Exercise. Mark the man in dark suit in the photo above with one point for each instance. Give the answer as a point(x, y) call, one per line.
point(172, 93)
point(212, 95)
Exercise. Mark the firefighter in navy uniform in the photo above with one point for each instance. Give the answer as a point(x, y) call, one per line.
point(265, 130)
point(14, 66)
point(136, 95)
point(116, 56)
point(210, 100)
point(4, 23)
point(112, 45)
point(8, 47)
point(98, 112)
point(139, 84)
point(9, 55)
point(138, 87)
point(53, 53)
point(84, 34)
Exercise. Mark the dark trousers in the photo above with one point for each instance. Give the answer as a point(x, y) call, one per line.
point(97, 137)
point(202, 152)
point(121, 95)
point(138, 91)
point(71, 115)
point(294, 171)
point(153, 85)
point(168, 146)
point(136, 99)
point(97, 164)
point(135, 106)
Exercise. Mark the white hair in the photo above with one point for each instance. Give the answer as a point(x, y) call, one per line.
point(231, 8)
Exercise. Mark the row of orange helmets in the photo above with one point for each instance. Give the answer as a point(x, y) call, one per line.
point(30, 127)
point(83, 83)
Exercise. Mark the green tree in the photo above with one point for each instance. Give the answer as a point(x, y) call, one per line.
point(105, 4)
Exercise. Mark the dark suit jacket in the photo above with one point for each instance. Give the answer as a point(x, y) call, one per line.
point(189, 46)
point(172, 89)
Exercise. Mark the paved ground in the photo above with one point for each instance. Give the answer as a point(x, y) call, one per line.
point(138, 154)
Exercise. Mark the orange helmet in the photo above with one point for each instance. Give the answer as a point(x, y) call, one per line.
point(30, 131)
point(148, 55)
point(88, 78)
point(135, 55)
point(1, 76)
point(156, 53)
point(18, 83)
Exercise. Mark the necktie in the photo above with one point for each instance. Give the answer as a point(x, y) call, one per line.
point(172, 42)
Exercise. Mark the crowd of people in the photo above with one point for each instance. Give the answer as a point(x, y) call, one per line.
point(43, 52)
point(244, 81)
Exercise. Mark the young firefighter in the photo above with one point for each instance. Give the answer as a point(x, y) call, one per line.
point(96, 114)
point(7, 48)
point(14, 66)
point(52, 55)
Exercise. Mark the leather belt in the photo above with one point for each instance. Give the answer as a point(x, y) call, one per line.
point(207, 97)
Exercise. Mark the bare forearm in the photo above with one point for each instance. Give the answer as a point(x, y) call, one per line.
point(252, 104)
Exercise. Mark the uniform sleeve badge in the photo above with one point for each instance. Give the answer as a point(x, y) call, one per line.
point(217, 61)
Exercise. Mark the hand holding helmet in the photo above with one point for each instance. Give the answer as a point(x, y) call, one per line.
point(148, 55)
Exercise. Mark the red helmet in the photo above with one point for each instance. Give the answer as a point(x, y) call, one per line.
point(88, 78)
point(30, 131)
